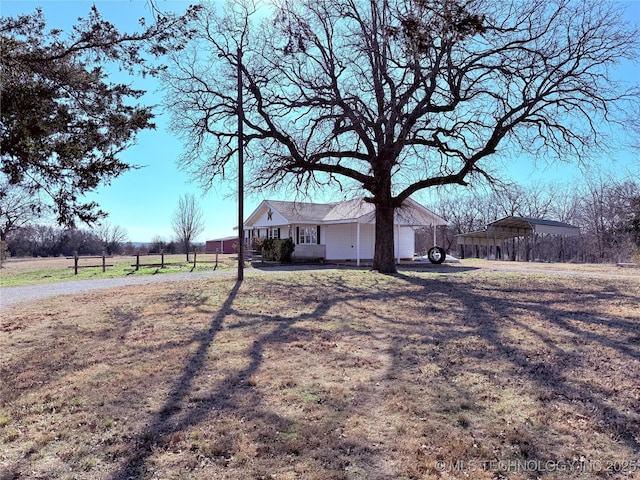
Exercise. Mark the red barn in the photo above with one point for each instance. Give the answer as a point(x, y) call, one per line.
point(222, 245)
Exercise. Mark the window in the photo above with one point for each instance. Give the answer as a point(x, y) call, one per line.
point(307, 235)
point(273, 233)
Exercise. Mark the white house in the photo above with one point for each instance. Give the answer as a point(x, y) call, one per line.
point(336, 231)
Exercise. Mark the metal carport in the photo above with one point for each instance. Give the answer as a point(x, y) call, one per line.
point(515, 227)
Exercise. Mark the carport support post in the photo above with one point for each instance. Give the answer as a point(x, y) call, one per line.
point(533, 247)
point(487, 244)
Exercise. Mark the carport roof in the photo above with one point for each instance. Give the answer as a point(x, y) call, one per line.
point(512, 227)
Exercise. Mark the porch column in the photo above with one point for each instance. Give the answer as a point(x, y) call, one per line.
point(396, 243)
point(358, 244)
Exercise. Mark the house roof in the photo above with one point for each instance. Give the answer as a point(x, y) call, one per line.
point(343, 212)
point(301, 211)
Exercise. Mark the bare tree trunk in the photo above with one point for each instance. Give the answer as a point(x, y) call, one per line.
point(383, 258)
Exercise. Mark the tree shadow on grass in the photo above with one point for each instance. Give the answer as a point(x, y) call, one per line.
point(164, 422)
point(548, 354)
point(424, 367)
point(235, 393)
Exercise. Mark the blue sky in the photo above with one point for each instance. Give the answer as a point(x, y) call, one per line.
point(142, 201)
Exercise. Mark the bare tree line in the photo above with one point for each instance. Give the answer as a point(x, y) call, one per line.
point(38, 240)
point(22, 233)
point(606, 211)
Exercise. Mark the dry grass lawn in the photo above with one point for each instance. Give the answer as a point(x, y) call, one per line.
point(332, 374)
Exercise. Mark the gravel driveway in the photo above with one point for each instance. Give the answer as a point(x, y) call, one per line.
point(12, 295)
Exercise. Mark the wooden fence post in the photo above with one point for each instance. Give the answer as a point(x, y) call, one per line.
point(75, 263)
point(161, 258)
point(216, 265)
point(138, 260)
point(104, 262)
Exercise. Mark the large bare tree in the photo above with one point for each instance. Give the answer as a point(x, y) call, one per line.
point(395, 96)
point(187, 221)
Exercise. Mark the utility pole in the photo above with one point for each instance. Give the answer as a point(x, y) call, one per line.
point(240, 172)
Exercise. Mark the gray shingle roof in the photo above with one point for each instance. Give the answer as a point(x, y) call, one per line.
point(319, 212)
point(302, 211)
point(347, 211)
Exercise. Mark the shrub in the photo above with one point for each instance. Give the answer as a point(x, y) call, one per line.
point(268, 252)
point(256, 244)
point(278, 249)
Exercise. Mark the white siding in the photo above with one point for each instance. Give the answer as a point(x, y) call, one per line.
point(341, 241)
point(276, 219)
point(405, 244)
point(367, 240)
point(340, 244)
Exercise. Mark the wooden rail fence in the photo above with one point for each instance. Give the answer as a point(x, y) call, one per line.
point(161, 263)
point(195, 254)
point(76, 262)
